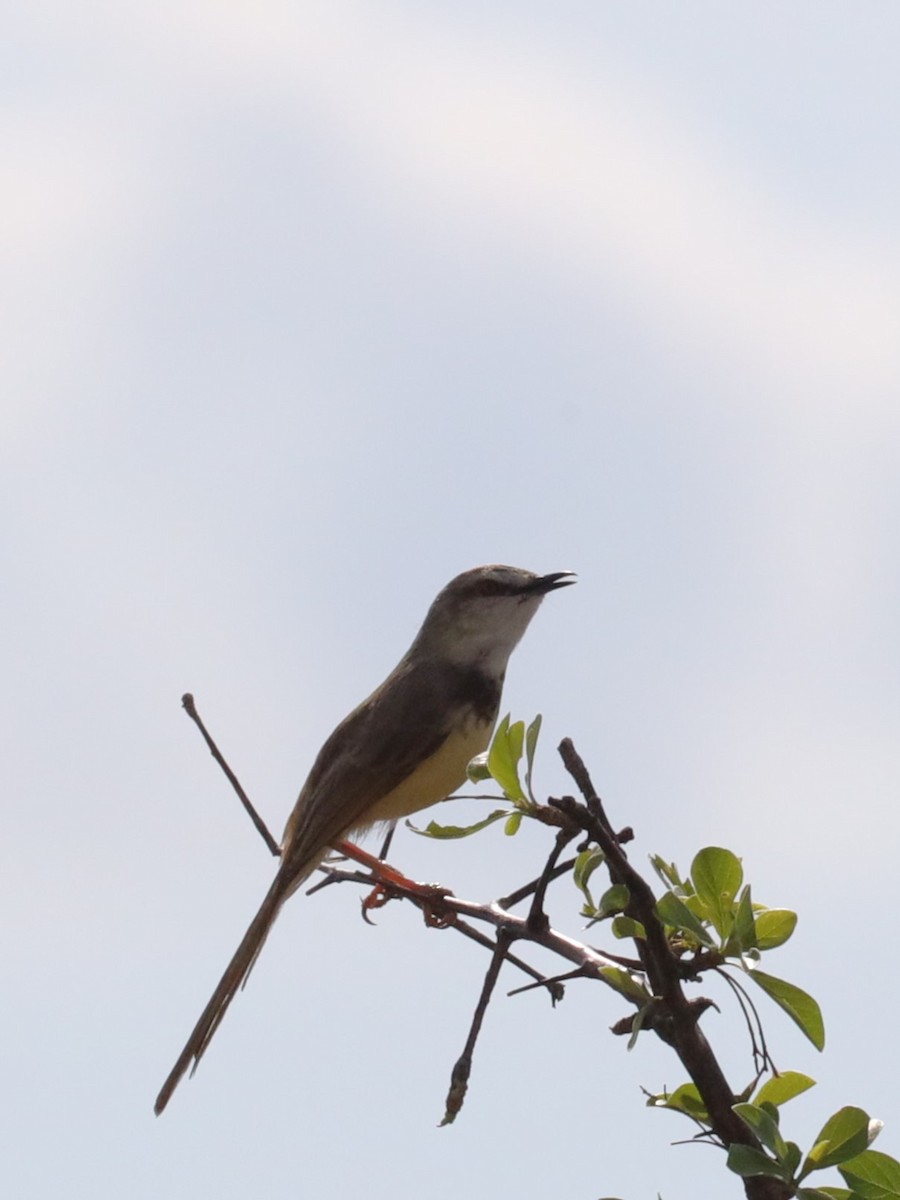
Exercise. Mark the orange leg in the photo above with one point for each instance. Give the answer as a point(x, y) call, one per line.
point(390, 882)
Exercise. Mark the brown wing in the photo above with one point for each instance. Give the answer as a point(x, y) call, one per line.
point(376, 748)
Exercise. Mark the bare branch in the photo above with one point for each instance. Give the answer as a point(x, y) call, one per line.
point(187, 703)
point(462, 1068)
point(537, 918)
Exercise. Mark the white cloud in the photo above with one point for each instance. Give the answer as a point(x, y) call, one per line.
point(597, 177)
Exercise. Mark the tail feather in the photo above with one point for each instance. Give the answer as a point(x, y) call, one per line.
point(231, 982)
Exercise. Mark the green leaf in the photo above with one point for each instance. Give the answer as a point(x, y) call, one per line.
point(824, 1194)
point(717, 875)
point(798, 1005)
point(685, 1099)
point(614, 899)
point(627, 927)
point(675, 913)
point(447, 832)
point(744, 934)
point(774, 926)
point(843, 1136)
point(783, 1087)
point(637, 1025)
point(697, 907)
point(625, 984)
point(668, 873)
point(513, 821)
point(531, 739)
point(585, 864)
point(504, 755)
point(873, 1176)
point(792, 1158)
point(477, 770)
point(765, 1128)
point(747, 1160)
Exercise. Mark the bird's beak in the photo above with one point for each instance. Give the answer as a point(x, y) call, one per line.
point(549, 583)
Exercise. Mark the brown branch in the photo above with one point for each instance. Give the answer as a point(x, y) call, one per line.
point(462, 1068)
point(558, 980)
point(537, 918)
point(678, 1025)
point(591, 962)
point(187, 703)
point(334, 875)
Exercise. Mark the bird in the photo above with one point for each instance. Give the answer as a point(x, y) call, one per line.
point(401, 750)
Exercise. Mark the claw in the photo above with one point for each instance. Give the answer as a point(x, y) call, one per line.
point(391, 884)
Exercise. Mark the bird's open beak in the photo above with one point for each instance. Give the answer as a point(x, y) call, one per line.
point(549, 583)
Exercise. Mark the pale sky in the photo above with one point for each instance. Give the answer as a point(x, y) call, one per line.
point(307, 308)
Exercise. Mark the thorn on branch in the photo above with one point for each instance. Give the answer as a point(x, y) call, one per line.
point(656, 1016)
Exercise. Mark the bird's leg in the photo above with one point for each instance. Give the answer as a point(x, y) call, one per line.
point(389, 882)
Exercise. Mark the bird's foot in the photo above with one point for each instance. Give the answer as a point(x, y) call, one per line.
point(391, 884)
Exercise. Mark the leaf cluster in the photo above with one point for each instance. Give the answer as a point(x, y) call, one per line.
point(843, 1142)
point(710, 922)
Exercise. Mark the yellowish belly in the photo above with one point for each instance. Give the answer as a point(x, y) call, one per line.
point(436, 777)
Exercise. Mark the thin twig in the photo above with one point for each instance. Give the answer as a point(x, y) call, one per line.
point(527, 889)
point(592, 962)
point(761, 1057)
point(539, 980)
point(578, 973)
point(537, 918)
point(462, 1068)
point(574, 764)
point(187, 703)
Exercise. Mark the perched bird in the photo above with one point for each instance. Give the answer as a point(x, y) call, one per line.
point(404, 748)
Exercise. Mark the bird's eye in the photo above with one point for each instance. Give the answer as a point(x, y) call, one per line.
point(491, 587)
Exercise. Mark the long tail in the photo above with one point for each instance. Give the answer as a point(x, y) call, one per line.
point(235, 975)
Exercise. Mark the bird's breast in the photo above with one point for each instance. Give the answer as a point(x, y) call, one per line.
point(436, 776)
